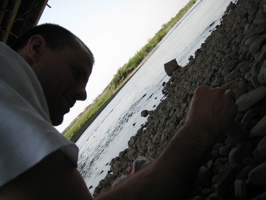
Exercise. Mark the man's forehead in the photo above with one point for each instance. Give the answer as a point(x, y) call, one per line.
point(83, 61)
point(81, 45)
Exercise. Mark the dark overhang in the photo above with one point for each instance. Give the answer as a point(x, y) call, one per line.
point(17, 16)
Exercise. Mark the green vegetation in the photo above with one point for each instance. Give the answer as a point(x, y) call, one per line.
point(80, 121)
point(123, 74)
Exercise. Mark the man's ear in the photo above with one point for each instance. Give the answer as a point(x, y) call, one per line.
point(35, 47)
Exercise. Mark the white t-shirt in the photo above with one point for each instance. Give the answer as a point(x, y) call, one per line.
point(26, 133)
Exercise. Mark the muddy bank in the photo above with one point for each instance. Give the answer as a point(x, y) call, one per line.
point(232, 57)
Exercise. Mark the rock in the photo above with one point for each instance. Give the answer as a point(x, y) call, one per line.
point(250, 124)
point(214, 195)
point(254, 81)
point(233, 75)
point(240, 188)
point(257, 157)
point(170, 67)
point(249, 99)
point(197, 198)
point(227, 173)
point(237, 133)
point(257, 175)
point(144, 113)
point(132, 155)
point(110, 177)
point(262, 74)
point(262, 147)
point(240, 91)
point(256, 45)
point(224, 151)
point(249, 115)
point(255, 70)
point(116, 167)
point(260, 18)
point(249, 161)
point(203, 175)
point(240, 152)
point(132, 141)
point(259, 128)
point(243, 174)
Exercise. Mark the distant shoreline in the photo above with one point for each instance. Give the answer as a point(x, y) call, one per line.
point(95, 115)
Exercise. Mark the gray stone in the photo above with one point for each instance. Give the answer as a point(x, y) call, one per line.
point(116, 167)
point(144, 113)
point(227, 173)
point(237, 132)
point(132, 141)
point(258, 174)
point(243, 174)
point(240, 188)
point(132, 155)
point(240, 91)
point(170, 67)
point(249, 99)
point(255, 70)
point(249, 115)
point(260, 18)
point(256, 155)
point(262, 147)
point(224, 151)
point(262, 74)
point(232, 75)
point(256, 46)
point(240, 152)
point(259, 129)
point(203, 175)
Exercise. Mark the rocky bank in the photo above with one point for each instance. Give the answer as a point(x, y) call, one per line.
point(232, 57)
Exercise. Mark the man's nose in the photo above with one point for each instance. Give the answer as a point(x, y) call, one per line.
point(81, 93)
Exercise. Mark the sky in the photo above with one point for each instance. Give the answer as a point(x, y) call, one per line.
point(114, 30)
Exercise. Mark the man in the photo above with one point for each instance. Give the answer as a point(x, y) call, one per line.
point(37, 162)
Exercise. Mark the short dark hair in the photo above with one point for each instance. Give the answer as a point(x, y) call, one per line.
point(56, 37)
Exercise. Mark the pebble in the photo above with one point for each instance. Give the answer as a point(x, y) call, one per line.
point(259, 128)
point(237, 133)
point(203, 175)
point(249, 115)
point(262, 74)
point(262, 147)
point(240, 152)
point(240, 188)
point(249, 99)
point(144, 113)
point(258, 174)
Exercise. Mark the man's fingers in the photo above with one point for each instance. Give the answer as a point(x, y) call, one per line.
point(230, 95)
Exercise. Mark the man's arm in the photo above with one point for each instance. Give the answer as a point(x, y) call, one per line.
point(172, 173)
point(169, 176)
point(55, 177)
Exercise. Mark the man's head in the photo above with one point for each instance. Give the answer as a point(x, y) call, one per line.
point(62, 63)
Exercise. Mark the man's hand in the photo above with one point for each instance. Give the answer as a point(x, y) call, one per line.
point(211, 110)
point(171, 175)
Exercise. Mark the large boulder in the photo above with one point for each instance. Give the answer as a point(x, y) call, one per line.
point(170, 67)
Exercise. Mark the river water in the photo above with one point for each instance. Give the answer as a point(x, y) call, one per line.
point(111, 130)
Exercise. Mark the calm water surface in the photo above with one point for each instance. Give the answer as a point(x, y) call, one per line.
point(111, 130)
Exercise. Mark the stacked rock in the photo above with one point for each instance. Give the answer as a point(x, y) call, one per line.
point(232, 57)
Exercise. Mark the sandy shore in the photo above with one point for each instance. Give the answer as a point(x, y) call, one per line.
point(233, 56)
